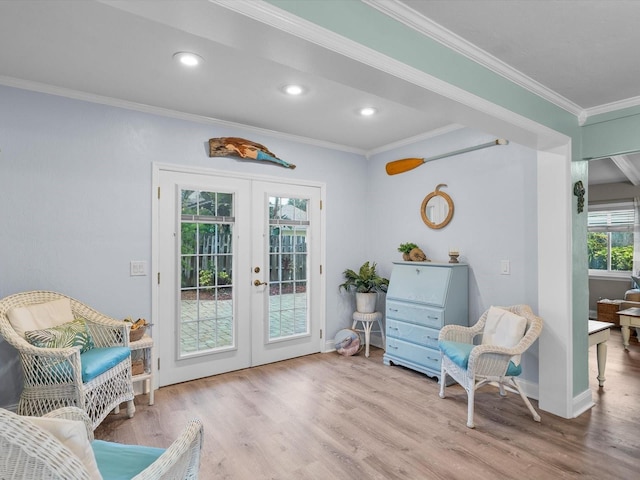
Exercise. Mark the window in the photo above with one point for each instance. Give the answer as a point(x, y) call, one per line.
point(610, 238)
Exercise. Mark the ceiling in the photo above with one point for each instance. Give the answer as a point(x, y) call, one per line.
point(575, 53)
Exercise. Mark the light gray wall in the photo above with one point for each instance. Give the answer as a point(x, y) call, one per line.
point(75, 183)
point(494, 194)
point(611, 289)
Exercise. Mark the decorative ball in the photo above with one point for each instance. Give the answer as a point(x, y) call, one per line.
point(417, 255)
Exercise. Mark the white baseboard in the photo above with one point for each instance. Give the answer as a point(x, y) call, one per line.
point(582, 403)
point(530, 389)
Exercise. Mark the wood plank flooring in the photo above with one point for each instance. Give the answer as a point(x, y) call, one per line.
point(326, 416)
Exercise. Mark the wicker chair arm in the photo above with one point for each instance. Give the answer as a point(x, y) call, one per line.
point(30, 452)
point(458, 333)
point(181, 459)
point(73, 413)
point(106, 331)
point(51, 366)
point(114, 333)
point(490, 360)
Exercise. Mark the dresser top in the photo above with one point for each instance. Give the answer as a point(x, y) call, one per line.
point(432, 264)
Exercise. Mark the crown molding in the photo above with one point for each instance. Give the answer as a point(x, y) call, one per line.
point(613, 106)
point(411, 18)
point(273, 16)
point(417, 138)
point(266, 13)
point(166, 112)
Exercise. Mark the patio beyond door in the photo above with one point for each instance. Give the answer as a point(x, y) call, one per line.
point(239, 273)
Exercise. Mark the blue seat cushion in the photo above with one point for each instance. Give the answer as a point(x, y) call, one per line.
point(96, 361)
point(123, 462)
point(459, 354)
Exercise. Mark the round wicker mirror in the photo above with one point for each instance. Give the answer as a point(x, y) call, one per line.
point(437, 208)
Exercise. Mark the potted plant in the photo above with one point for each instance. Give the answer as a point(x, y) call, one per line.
point(412, 253)
point(405, 248)
point(366, 283)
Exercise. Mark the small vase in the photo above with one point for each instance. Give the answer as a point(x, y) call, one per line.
point(366, 302)
point(406, 257)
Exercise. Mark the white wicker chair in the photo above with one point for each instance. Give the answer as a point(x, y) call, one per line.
point(52, 376)
point(28, 451)
point(487, 363)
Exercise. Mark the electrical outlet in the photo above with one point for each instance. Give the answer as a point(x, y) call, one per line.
point(137, 268)
point(505, 267)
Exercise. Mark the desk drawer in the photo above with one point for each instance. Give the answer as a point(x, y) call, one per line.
point(413, 333)
point(418, 314)
point(427, 357)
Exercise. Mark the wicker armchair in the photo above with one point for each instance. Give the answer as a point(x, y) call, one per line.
point(485, 363)
point(53, 376)
point(29, 451)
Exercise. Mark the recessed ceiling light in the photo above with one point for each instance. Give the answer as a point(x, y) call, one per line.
point(188, 59)
point(367, 111)
point(294, 89)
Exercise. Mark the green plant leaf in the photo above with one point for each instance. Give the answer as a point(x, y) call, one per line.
point(365, 280)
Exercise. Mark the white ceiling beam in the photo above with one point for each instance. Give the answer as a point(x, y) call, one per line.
point(628, 167)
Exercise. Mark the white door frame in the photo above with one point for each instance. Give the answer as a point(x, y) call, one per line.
point(155, 241)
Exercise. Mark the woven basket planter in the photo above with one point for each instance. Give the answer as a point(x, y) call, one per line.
point(135, 335)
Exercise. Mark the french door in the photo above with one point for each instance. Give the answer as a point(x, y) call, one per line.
point(239, 273)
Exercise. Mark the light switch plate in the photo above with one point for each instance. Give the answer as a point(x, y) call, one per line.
point(137, 268)
point(505, 267)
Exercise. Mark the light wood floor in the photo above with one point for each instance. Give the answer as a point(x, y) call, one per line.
point(325, 416)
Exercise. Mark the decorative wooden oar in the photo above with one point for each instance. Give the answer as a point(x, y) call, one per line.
point(406, 164)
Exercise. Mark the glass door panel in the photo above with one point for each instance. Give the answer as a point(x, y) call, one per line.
point(288, 271)
point(285, 325)
point(206, 259)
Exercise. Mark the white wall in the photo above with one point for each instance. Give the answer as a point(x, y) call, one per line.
point(75, 184)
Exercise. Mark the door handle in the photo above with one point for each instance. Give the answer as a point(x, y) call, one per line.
point(257, 283)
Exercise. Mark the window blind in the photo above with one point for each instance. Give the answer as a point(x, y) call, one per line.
point(620, 220)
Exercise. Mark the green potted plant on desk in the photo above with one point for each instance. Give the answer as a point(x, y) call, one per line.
point(366, 283)
point(405, 249)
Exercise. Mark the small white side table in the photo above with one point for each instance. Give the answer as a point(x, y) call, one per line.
point(598, 335)
point(367, 320)
point(144, 347)
point(629, 317)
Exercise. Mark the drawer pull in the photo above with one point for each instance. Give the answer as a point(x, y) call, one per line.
point(392, 346)
point(393, 328)
point(393, 309)
point(432, 317)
